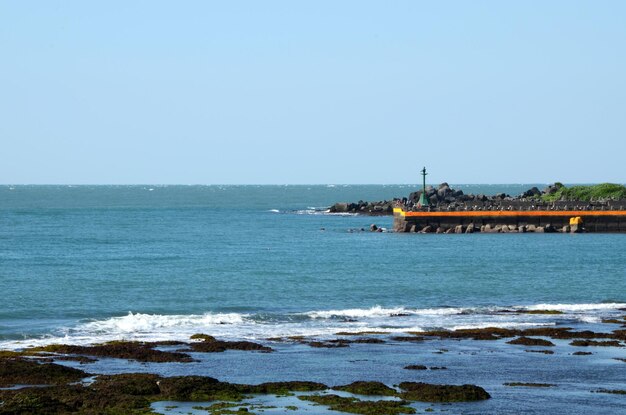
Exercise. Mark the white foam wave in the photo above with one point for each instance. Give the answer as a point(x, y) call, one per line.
point(503, 325)
point(326, 323)
point(274, 210)
point(379, 311)
point(146, 323)
point(322, 211)
point(577, 307)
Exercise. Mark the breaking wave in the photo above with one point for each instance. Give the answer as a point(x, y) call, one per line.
point(322, 323)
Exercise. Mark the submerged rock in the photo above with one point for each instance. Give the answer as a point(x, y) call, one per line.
point(415, 367)
point(529, 341)
point(540, 351)
point(586, 343)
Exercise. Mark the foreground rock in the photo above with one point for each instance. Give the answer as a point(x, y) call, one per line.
point(133, 393)
point(23, 371)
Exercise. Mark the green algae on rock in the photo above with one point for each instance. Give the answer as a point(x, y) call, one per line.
point(131, 350)
point(210, 345)
point(199, 389)
point(278, 388)
point(426, 392)
point(203, 337)
point(356, 406)
point(22, 371)
point(367, 388)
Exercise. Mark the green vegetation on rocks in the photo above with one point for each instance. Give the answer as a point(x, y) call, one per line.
point(279, 388)
point(586, 193)
point(367, 388)
point(140, 351)
point(356, 406)
point(14, 371)
point(211, 345)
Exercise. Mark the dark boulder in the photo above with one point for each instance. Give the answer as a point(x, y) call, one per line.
point(424, 392)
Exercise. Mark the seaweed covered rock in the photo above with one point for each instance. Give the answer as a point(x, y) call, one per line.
point(198, 388)
point(367, 388)
point(426, 392)
point(211, 345)
point(136, 384)
point(23, 371)
point(79, 399)
point(487, 333)
point(42, 401)
point(356, 406)
point(282, 387)
point(140, 351)
point(203, 337)
point(530, 341)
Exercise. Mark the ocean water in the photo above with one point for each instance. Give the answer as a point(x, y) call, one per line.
point(86, 264)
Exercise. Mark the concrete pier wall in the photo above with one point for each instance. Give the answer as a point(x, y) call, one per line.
point(554, 222)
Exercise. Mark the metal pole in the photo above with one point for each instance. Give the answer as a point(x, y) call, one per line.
point(423, 200)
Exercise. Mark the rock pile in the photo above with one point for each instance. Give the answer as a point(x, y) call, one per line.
point(444, 198)
point(383, 207)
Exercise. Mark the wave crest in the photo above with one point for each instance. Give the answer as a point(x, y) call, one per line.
point(146, 323)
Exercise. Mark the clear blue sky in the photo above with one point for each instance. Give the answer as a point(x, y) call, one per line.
point(312, 91)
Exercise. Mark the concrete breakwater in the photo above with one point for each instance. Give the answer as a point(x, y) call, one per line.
point(550, 210)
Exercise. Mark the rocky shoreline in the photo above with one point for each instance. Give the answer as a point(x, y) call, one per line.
point(33, 382)
point(53, 379)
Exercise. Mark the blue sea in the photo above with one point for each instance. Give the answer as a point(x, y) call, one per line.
point(88, 264)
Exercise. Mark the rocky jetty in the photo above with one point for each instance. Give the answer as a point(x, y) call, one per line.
point(444, 198)
point(575, 210)
point(382, 207)
point(553, 197)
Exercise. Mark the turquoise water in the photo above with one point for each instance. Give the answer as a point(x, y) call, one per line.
point(118, 261)
point(88, 264)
